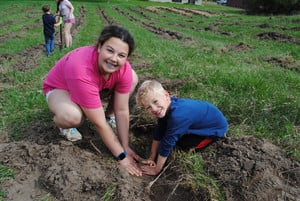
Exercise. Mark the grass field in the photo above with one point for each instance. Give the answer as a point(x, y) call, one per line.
point(248, 66)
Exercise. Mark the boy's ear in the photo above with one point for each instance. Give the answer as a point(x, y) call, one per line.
point(167, 94)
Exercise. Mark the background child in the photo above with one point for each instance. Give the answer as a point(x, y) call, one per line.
point(184, 122)
point(49, 23)
point(66, 9)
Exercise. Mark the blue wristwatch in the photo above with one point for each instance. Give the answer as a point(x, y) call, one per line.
point(121, 156)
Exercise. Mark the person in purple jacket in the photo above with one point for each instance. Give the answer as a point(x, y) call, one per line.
point(184, 122)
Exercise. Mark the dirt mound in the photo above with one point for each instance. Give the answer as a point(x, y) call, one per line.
point(278, 37)
point(252, 169)
point(66, 171)
point(247, 168)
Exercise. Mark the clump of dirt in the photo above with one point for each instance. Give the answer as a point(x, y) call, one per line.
point(215, 29)
point(278, 37)
point(287, 62)
point(241, 47)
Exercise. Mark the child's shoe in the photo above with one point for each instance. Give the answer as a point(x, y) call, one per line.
point(72, 134)
point(204, 143)
point(111, 121)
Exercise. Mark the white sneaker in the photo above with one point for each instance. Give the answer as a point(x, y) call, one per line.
point(111, 121)
point(72, 134)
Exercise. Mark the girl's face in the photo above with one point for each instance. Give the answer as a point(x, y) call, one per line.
point(157, 104)
point(112, 55)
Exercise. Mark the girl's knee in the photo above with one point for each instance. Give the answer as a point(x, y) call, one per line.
point(69, 119)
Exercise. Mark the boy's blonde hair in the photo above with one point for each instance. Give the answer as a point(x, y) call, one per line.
point(147, 87)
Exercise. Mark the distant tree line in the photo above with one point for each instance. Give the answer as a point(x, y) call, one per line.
point(273, 6)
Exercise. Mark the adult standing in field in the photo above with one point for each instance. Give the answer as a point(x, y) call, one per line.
point(66, 10)
point(74, 85)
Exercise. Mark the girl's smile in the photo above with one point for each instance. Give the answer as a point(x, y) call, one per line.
point(112, 55)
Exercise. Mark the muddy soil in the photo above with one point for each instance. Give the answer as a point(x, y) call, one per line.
point(246, 168)
point(48, 166)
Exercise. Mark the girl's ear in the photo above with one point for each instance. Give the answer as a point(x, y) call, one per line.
point(98, 48)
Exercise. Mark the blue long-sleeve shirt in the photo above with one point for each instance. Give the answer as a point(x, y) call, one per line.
point(187, 116)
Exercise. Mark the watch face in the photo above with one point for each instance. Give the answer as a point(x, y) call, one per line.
point(121, 156)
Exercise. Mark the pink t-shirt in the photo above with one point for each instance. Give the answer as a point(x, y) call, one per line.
point(77, 72)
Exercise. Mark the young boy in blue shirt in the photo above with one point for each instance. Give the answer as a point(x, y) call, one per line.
point(184, 122)
point(49, 24)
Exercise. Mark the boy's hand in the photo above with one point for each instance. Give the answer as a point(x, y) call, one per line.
point(148, 162)
point(150, 170)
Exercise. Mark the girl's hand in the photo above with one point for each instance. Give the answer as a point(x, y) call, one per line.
point(130, 166)
point(132, 154)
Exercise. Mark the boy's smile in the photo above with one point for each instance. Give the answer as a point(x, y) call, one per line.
point(157, 104)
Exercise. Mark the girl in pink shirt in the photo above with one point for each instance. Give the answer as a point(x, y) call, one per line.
point(73, 87)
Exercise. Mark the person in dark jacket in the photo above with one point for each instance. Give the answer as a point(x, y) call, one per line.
point(49, 24)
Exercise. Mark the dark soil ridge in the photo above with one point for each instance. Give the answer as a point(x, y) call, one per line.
point(185, 12)
point(105, 17)
point(160, 31)
point(287, 62)
point(278, 37)
point(166, 34)
point(267, 26)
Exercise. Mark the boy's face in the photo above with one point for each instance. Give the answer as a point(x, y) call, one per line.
point(157, 104)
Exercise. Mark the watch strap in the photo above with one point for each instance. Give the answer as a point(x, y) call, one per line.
point(121, 156)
